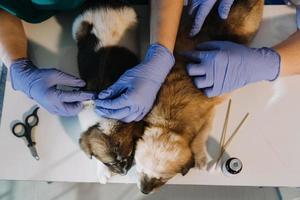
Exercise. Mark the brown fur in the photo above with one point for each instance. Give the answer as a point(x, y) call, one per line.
point(177, 127)
point(116, 150)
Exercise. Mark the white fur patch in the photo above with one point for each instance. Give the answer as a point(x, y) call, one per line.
point(103, 172)
point(89, 104)
point(153, 131)
point(152, 156)
point(110, 26)
point(107, 125)
point(88, 117)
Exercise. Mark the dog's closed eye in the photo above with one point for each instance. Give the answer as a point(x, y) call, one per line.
point(110, 163)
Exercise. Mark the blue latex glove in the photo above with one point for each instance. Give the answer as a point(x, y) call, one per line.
point(40, 85)
point(132, 96)
point(219, 66)
point(199, 9)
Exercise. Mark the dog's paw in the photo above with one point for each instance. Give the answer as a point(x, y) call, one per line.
point(103, 172)
point(200, 161)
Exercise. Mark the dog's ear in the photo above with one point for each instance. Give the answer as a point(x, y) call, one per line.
point(95, 143)
point(138, 129)
point(85, 140)
point(85, 145)
point(188, 166)
point(83, 31)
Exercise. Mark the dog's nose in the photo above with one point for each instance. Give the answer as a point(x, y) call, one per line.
point(124, 164)
point(123, 171)
point(122, 168)
point(145, 191)
point(146, 188)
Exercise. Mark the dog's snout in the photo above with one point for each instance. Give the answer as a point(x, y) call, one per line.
point(123, 163)
point(123, 171)
point(121, 167)
point(145, 191)
point(148, 184)
point(125, 166)
point(146, 187)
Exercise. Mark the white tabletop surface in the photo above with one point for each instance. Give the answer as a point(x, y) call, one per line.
point(268, 144)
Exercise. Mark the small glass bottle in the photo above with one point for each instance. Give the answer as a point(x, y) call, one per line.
point(232, 166)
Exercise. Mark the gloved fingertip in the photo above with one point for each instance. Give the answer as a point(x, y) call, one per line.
point(223, 15)
point(99, 111)
point(195, 30)
point(191, 11)
point(73, 109)
point(208, 95)
point(209, 92)
point(192, 33)
point(223, 12)
point(81, 83)
point(94, 97)
point(98, 103)
point(125, 120)
point(77, 107)
point(189, 69)
point(104, 94)
point(80, 106)
point(90, 95)
point(139, 118)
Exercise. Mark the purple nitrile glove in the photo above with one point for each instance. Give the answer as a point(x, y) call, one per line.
point(40, 85)
point(199, 9)
point(132, 96)
point(220, 66)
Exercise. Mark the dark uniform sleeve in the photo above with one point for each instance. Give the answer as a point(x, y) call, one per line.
point(26, 10)
point(35, 11)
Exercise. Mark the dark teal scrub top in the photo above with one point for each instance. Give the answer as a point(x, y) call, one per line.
point(35, 11)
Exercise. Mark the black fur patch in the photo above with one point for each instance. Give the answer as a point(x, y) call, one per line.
point(103, 67)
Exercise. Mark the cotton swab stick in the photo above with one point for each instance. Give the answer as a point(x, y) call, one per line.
point(89, 104)
point(223, 135)
point(236, 131)
point(224, 131)
point(231, 138)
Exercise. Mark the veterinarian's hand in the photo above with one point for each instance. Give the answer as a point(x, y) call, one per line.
point(40, 85)
point(220, 66)
point(133, 95)
point(199, 9)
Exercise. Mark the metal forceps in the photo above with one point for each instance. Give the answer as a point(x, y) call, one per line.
point(20, 129)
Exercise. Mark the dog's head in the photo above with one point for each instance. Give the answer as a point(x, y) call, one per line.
point(116, 148)
point(159, 157)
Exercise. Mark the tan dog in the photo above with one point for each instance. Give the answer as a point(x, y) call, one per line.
point(177, 128)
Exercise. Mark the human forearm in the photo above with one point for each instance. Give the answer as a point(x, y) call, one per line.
point(289, 51)
point(164, 23)
point(13, 42)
